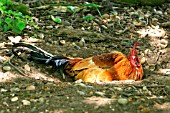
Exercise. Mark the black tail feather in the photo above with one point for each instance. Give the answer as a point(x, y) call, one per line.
point(39, 56)
point(34, 53)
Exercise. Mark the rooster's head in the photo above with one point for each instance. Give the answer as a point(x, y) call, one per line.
point(133, 57)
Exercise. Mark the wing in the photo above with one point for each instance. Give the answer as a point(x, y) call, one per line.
point(103, 61)
point(106, 60)
point(84, 64)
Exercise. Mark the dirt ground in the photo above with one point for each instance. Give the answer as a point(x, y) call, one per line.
point(27, 87)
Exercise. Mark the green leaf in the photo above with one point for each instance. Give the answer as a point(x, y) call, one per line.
point(15, 29)
point(1, 22)
point(56, 19)
point(12, 18)
point(21, 25)
point(28, 17)
point(35, 36)
point(6, 28)
point(4, 8)
point(114, 13)
point(15, 22)
point(10, 12)
point(88, 17)
point(8, 2)
point(72, 9)
point(8, 20)
point(98, 11)
point(1, 28)
point(18, 14)
point(92, 5)
point(1, 4)
point(1, 10)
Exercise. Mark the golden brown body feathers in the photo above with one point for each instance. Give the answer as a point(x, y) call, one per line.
point(105, 68)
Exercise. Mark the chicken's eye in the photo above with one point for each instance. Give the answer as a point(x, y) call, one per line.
point(137, 63)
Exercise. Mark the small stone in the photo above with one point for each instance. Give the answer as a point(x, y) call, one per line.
point(41, 35)
point(31, 40)
point(91, 93)
point(14, 89)
point(159, 12)
point(106, 16)
point(147, 51)
point(118, 88)
point(143, 59)
point(28, 27)
point(78, 81)
point(41, 100)
point(154, 21)
point(30, 88)
point(27, 67)
point(163, 43)
point(151, 67)
point(16, 39)
point(26, 102)
point(6, 104)
point(14, 99)
point(103, 26)
point(50, 84)
point(137, 23)
point(145, 88)
point(2, 59)
point(11, 38)
point(55, 42)
point(122, 101)
point(113, 109)
point(4, 90)
point(74, 55)
point(62, 42)
point(81, 92)
point(35, 19)
point(80, 84)
point(49, 27)
point(100, 93)
point(6, 68)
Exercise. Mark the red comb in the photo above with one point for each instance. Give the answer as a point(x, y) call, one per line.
point(134, 48)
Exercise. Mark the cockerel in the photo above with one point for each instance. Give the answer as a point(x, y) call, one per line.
point(102, 68)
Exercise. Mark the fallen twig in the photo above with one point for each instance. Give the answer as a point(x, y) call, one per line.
point(9, 62)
